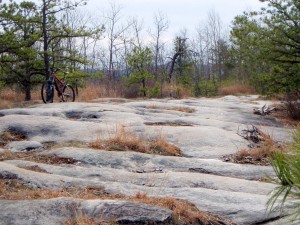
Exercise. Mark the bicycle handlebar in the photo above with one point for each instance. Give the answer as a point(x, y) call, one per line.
point(59, 69)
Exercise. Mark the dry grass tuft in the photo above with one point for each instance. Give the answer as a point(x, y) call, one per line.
point(7, 155)
point(258, 154)
point(180, 109)
point(171, 124)
point(35, 168)
point(124, 140)
point(184, 212)
point(9, 135)
point(236, 89)
point(17, 190)
point(162, 147)
point(82, 220)
point(12, 189)
point(36, 157)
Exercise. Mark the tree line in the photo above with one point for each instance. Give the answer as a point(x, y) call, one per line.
point(260, 49)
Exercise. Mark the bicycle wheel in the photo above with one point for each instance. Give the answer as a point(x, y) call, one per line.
point(68, 94)
point(47, 98)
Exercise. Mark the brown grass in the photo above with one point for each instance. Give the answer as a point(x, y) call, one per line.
point(124, 140)
point(236, 89)
point(180, 109)
point(171, 124)
point(183, 212)
point(18, 190)
point(259, 154)
point(177, 90)
point(9, 135)
point(94, 91)
point(286, 113)
point(35, 168)
point(82, 220)
point(12, 98)
point(36, 157)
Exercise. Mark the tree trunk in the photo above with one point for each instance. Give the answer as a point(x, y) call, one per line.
point(144, 87)
point(28, 92)
point(45, 36)
point(173, 64)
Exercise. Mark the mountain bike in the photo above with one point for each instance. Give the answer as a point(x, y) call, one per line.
point(64, 90)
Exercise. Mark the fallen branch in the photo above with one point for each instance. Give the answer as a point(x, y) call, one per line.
point(253, 134)
point(265, 110)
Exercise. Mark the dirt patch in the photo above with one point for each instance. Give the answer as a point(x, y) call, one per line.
point(51, 159)
point(11, 135)
point(180, 109)
point(35, 168)
point(172, 124)
point(35, 157)
point(13, 189)
point(54, 145)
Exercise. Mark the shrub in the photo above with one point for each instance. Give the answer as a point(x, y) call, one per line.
point(292, 106)
point(153, 92)
point(207, 87)
point(236, 89)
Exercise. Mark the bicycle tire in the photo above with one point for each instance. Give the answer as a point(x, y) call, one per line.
point(44, 93)
point(68, 94)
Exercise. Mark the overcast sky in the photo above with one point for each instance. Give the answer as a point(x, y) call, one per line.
point(181, 13)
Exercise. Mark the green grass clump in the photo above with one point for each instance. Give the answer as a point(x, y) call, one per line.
point(287, 168)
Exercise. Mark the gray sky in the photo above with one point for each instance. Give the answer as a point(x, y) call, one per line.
point(181, 13)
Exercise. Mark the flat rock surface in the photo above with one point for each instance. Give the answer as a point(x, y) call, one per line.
point(205, 134)
point(61, 210)
point(24, 146)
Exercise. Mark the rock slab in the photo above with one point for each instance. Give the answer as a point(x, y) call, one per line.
point(60, 210)
point(205, 134)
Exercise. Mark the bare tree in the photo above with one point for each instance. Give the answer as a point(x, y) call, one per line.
point(214, 29)
point(137, 27)
point(114, 31)
point(211, 46)
point(161, 24)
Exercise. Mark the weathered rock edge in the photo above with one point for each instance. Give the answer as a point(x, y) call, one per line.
point(60, 210)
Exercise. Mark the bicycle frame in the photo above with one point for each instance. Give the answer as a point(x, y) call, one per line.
point(65, 91)
point(58, 83)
